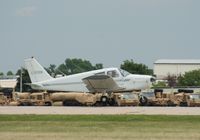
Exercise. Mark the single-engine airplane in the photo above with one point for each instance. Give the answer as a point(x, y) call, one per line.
point(102, 80)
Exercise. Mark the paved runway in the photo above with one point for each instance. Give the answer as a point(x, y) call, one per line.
point(100, 110)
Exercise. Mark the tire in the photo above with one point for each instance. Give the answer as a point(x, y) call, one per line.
point(21, 104)
point(112, 102)
point(143, 100)
point(104, 100)
point(170, 103)
point(24, 104)
point(65, 103)
point(183, 104)
point(48, 104)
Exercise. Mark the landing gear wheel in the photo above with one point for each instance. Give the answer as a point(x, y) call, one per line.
point(143, 100)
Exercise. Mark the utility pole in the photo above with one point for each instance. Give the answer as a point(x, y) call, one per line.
point(21, 80)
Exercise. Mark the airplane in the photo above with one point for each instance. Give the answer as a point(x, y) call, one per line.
point(105, 80)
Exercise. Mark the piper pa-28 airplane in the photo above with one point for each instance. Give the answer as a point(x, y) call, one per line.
point(102, 80)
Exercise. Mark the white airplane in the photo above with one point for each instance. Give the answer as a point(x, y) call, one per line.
point(103, 80)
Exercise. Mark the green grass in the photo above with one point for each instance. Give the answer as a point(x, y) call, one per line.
point(96, 127)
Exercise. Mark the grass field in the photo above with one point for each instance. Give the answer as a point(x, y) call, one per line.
point(99, 127)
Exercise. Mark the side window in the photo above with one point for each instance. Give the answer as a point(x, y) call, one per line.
point(39, 97)
point(113, 73)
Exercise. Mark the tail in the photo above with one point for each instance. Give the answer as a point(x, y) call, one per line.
point(36, 72)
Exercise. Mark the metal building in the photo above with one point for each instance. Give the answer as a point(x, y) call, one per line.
point(8, 82)
point(165, 67)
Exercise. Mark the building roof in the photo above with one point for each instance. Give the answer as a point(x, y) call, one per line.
point(177, 61)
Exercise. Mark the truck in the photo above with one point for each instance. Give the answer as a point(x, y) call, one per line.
point(126, 99)
point(31, 99)
point(3, 99)
point(20, 99)
point(75, 99)
point(194, 100)
point(40, 99)
point(168, 99)
point(181, 99)
point(47, 99)
point(156, 99)
point(97, 99)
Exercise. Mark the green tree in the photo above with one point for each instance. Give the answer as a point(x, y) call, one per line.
point(9, 73)
point(99, 66)
point(191, 78)
point(73, 66)
point(25, 79)
point(51, 70)
point(62, 69)
point(159, 84)
point(172, 80)
point(1, 73)
point(136, 68)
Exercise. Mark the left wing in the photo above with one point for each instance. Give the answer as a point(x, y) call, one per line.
point(101, 83)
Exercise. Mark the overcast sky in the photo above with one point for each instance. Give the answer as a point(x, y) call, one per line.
point(101, 31)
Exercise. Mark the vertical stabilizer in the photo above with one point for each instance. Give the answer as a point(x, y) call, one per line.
point(36, 72)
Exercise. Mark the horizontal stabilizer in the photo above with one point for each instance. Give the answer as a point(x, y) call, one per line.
point(34, 86)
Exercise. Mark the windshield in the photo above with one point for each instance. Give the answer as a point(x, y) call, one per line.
point(129, 96)
point(148, 94)
point(123, 72)
point(195, 96)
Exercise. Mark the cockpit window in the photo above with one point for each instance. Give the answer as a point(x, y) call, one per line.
point(123, 72)
point(113, 73)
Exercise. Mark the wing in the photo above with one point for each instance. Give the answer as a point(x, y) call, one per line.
point(101, 83)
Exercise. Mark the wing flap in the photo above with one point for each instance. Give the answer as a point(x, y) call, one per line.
point(101, 83)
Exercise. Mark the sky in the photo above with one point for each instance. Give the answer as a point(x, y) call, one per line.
point(101, 31)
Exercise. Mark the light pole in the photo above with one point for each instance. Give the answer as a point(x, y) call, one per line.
point(21, 80)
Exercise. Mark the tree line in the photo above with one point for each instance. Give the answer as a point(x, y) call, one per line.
point(75, 65)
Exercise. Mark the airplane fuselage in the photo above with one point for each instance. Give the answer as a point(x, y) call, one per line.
point(75, 83)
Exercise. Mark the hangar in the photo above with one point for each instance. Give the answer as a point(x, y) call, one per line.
point(176, 67)
point(8, 84)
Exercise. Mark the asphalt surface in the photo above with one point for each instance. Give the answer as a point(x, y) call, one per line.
point(100, 110)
